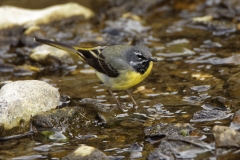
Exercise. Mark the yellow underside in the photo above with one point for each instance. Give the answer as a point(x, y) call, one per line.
point(125, 80)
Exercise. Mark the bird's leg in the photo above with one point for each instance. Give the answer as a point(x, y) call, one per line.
point(134, 102)
point(118, 103)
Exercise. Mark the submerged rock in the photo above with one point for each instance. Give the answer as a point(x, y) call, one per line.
point(209, 115)
point(180, 148)
point(217, 27)
point(175, 140)
point(158, 155)
point(86, 153)
point(57, 119)
point(233, 84)
point(21, 100)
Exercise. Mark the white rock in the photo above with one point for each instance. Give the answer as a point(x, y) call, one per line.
point(13, 16)
point(21, 100)
point(85, 152)
point(43, 53)
point(226, 137)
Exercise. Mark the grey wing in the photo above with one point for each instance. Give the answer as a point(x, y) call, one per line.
point(96, 60)
point(114, 56)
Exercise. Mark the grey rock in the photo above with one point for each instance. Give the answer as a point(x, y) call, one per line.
point(21, 100)
point(235, 124)
point(209, 115)
point(158, 155)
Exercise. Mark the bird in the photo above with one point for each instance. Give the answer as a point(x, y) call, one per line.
point(119, 67)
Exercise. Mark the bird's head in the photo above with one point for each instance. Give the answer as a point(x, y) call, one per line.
point(139, 57)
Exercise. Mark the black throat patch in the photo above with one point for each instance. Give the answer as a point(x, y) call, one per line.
point(141, 67)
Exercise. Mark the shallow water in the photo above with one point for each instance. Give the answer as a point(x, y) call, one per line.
point(195, 63)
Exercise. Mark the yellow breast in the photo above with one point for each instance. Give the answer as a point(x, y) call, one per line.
point(125, 80)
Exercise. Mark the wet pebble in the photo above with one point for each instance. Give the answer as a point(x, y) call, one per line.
point(217, 27)
point(86, 153)
point(209, 115)
point(26, 70)
point(136, 150)
point(57, 136)
point(180, 147)
point(56, 119)
point(226, 137)
point(123, 29)
point(48, 55)
point(233, 84)
point(155, 133)
point(229, 9)
point(9, 39)
point(131, 124)
point(158, 155)
point(202, 88)
point(6, 68)
point(159, 107)
point(236, 118)
point(23, 51)
point(235, 124)
point(4, 49)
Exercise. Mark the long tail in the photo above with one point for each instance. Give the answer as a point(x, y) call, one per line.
point(67, 48)
point(91, 56)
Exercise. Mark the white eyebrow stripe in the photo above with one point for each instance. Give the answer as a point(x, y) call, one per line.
point(138, 53)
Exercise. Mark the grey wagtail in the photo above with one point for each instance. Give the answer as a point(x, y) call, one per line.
point(119, 67)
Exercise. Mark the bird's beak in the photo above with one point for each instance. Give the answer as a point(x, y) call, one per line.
point(152, 59)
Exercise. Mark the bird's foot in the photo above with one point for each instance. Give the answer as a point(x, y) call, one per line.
point(135, 106)
point(122, 108)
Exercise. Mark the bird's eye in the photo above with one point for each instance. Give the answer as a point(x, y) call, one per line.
point(139, 55)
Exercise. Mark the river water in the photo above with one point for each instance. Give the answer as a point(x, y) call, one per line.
point(197, 45)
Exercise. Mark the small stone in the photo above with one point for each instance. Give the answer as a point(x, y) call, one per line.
point(226, 137)
point(158, 155)
point(234, 83)
point(236, 117)
point(131, 124)
point(48, 55)
point(209, 115)
point(84, 152)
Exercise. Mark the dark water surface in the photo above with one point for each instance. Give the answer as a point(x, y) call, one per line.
point(198, 67)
